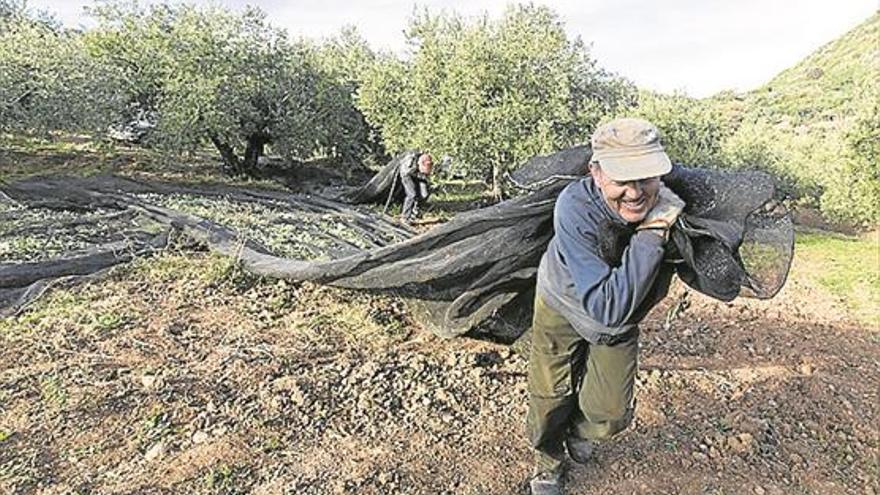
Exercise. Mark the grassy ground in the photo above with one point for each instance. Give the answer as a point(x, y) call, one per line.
point(25, 156)
point(847, 267)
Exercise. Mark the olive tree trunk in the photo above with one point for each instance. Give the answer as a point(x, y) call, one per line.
point(246, 165)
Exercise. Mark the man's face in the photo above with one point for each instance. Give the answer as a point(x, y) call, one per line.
point(426, 165)
point(632, 200)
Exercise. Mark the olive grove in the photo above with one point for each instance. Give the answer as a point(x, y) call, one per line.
point(229, 78)
point(490, 93)
point(48, 79)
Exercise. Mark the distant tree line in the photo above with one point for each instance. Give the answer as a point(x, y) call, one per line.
point(490, 93)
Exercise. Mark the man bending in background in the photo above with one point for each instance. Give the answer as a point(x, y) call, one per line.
point(414, 176)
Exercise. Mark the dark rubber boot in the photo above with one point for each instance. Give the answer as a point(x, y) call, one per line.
point(580, 449)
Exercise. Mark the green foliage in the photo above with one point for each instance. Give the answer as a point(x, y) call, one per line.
point(48, 80)
point(228, 77)
point(691, 129)
point(383, 99)
point(816, 126)
point(345, 59)
point(52, 391)
point(802, 163)
point(490, 94)
point(108, 321)
point(227, 479)
point(854, 193)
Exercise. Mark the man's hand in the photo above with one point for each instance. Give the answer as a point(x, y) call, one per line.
point(664, 213)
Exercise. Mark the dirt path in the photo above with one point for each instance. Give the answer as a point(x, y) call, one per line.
point(177, 382)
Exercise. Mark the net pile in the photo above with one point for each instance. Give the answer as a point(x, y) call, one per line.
point(473, 273)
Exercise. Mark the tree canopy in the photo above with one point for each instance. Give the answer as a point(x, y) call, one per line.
point(489, 93)
point(228, 77)
point(48, 80)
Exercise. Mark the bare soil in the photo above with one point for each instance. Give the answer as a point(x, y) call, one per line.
point(180, 375)
point(163, 379)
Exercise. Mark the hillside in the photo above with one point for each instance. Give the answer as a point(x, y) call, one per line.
point(816, 125)
point(827, 87)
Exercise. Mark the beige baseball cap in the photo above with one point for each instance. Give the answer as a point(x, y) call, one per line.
point(629, 149)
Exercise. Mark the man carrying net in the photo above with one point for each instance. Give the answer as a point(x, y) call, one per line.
point(587, 308)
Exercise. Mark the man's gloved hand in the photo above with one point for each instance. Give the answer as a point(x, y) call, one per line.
point(663, 215)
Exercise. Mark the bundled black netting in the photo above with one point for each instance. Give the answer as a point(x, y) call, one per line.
point(766, 250)
point(385, 183)
point(541, 171)
point(472, 272)
point(734, 234)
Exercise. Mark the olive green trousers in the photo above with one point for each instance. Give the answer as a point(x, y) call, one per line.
point(575, 388)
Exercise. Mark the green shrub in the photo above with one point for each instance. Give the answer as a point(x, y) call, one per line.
point(854, 193)
point(691, 129)
point(760, 146)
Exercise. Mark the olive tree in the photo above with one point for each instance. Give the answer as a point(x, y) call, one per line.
point(692, 130)
point(48, 80)
point(852, 189)
point(489, 93)
point(224, 77)
point(345, 59)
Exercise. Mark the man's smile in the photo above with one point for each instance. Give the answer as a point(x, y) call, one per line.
point(634, 205)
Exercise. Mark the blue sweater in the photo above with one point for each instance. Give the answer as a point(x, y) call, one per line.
point(599, 300)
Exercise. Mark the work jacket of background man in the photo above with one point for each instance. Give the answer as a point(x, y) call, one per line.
point(409, 168)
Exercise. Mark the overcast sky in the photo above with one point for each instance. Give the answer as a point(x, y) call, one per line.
point(698, 46)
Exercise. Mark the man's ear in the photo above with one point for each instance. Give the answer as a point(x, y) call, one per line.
point(594, 170)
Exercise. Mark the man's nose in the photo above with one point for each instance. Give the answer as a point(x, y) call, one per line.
point(634, 189)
